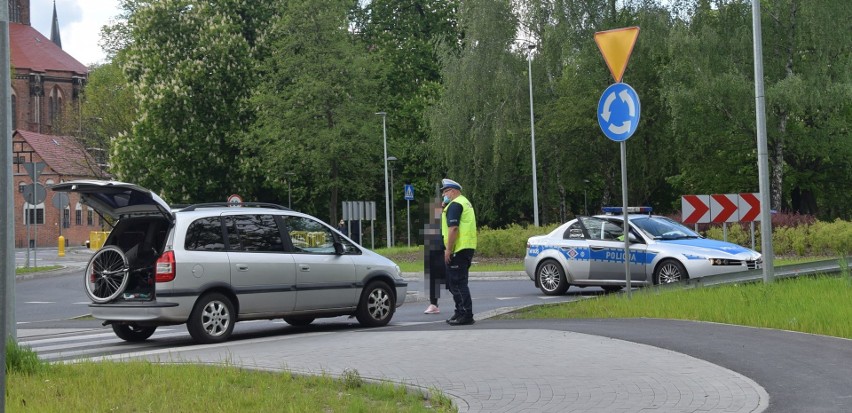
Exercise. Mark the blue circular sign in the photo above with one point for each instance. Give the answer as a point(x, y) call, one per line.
point(618, 111)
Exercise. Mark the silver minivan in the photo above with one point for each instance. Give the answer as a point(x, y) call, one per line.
point(211, 265)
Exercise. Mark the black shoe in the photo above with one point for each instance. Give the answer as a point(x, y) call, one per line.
point(453, 318)
point(461, 321)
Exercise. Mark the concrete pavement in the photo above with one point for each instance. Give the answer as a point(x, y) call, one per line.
point(490, 369)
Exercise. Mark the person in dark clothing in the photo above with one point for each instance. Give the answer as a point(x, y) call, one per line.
point(433, 258)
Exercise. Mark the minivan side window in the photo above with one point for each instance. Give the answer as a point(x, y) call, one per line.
point(309, 235)
point(205, 234)
point(253, 233)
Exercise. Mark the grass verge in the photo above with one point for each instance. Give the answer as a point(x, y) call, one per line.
point(818, 305)
point(140, 386)
point(30, 270)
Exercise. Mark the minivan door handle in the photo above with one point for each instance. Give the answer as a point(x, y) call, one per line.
point(242, 267)
point(304, 267)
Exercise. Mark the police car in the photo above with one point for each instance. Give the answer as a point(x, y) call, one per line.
point(589, 251)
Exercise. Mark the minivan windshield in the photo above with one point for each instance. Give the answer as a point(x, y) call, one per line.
point(663, 228)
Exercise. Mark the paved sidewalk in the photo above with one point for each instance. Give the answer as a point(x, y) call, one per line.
point(497, 370)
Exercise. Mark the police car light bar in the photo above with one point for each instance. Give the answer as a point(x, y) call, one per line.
point(630, 210)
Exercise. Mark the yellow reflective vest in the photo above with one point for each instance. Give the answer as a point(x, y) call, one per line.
point(467, 226)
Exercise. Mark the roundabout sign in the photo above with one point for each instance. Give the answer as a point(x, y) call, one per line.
point(618, 111)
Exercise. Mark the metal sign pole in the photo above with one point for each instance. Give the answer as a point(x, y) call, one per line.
point(35, 220)
point(762, 151)
point(408, 220)
point(7, 204)
point(626, 228)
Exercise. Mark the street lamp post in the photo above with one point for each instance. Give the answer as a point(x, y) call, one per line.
point(393, 215)
point(385, 157)
point(531, 47)
point(289, 192)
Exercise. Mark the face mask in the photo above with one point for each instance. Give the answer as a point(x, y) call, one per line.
point(446, 199)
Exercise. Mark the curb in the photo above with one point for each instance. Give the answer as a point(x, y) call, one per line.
point(476, 275)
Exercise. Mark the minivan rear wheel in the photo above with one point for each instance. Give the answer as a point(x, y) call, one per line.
point(132, 332)
point(377, 305)
point(212, 319)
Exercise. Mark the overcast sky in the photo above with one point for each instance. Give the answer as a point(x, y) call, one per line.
point(80, 23)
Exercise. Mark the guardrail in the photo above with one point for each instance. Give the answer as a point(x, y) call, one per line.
point(829, 267)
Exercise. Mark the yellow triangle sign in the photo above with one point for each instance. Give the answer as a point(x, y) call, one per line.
point(616, 46)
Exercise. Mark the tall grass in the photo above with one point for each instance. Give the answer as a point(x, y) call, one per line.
point(818, 305)
point(149, 387)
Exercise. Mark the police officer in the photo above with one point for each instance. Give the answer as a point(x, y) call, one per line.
point(458, 228)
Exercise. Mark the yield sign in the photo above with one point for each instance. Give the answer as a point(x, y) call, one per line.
point(749, 206)
point(724, 208)
point(696, 209)
point(616, 46)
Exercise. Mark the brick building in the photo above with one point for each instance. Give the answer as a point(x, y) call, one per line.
point(46, 89)
point(38, 216)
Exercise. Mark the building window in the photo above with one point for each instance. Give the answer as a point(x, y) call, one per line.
point(34, 215)
point(55, 108)
point(66, 217)
point(78, 215)
point(90, 217)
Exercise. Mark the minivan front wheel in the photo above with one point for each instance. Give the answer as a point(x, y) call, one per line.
point(377, 305)
point(212, 319)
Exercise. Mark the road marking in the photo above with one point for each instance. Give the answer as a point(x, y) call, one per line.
point(40, 302)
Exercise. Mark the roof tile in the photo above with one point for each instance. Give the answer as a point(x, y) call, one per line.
point(29, 49)
point(63, 154)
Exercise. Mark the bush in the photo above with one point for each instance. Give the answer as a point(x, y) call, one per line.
point(510, 242)
point(795, 236)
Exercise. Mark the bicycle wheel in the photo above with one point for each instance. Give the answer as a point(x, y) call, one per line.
point(107, 274)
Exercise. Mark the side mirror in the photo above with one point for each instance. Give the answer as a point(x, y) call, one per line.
point(338, 248)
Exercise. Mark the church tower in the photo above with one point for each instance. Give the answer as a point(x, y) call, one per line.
point(54, 28)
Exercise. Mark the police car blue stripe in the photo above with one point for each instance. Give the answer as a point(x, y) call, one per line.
point(586, 254)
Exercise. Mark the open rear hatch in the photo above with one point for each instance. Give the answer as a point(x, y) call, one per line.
point(115, 199)
point(124, 270)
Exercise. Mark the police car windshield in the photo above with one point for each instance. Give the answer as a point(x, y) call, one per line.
point(663, 228)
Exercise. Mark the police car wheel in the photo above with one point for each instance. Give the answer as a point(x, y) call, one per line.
point(551, 278)
point(669, 271)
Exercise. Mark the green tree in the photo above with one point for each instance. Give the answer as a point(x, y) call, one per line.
point(109, 109)
point(710, 92)
point(191, 65)
point(576, 161)
point(403, 37)
point(315, 104)
point(477, 124)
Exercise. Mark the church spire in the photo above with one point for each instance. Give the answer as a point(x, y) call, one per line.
point(54, 31)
